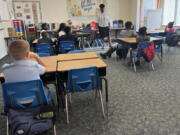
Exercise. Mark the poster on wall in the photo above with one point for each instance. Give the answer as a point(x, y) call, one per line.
point(28, 11)
point(84, 8)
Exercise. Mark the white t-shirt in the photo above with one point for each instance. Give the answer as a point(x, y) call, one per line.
point(103, 19)
point(128, 33)
point(22, 71)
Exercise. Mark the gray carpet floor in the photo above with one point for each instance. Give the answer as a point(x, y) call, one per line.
point(142, 103)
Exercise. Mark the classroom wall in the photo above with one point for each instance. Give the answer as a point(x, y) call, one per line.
point(133, 10)
point(57, 12)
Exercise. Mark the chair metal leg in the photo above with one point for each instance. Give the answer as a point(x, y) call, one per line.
point(7, 128)
point(54, 129)
point(102, 103)
point(95, 94)
point(67, 113)
point(70, 99)
point(134, 65)
point(162, 54)
point(152, 65)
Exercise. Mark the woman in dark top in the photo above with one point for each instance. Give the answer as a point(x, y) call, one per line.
point(68, 36)
point(61, 29)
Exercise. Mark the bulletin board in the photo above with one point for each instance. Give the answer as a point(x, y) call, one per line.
point(29, 11)
point(84, 8)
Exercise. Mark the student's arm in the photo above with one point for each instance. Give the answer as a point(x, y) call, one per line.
point(166, 29)
point(33, 55)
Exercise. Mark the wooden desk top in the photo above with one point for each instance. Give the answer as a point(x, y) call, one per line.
point(67, 65)
point(155, 31)
point(82, 33)
point(77, 56)
point(132, 40)
point(51, 63)
point(12, 37)
point(36, 40)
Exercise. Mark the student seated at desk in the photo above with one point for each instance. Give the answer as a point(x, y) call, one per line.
point(128, 32)
point(142, 37)
point(45, 39)
point(68, 36)
point(61, 29)
point(169, 28)
point(26, 66)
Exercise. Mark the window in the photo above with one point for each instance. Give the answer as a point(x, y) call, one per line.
point(177, 22)
point(171, 10)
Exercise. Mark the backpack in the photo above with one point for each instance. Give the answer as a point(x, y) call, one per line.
point(122, 52)
point(148, 53)
point(30, 121)
point(172, 39)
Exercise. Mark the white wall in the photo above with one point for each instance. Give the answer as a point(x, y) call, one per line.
point(3, 7)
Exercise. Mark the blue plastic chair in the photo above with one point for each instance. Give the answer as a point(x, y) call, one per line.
point(24, 94)
point(44, 48)
point(66, 46)
point(139, 53)
point(77, 51)
point(82, 80)
point(43, 54)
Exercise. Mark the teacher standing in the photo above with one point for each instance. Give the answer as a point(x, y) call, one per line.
point(103, 23)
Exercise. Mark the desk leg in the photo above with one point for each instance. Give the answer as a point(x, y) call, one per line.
point(82, 42)
point(61, 89)
point(106, 88)
point(116, 33)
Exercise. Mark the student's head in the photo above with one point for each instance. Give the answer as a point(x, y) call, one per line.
point(67, 30)
point(19, 49)
point(102, 6)
point(62, 26)
point(44, 26)
point(170, 24)
point(142, 31)
point(128, 25)
point(44, 34)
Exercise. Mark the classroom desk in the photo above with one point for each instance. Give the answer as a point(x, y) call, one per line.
point(82, 34)
point(117, 30)
point(155, 31)
point(60, 71)
point(77, 56)
point(132, 40)
point(12, 37)
point(68, 65)
point(36, 40)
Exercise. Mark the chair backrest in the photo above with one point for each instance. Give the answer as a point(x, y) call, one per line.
point(83, 79)
point(43, 54)
point(77, 51)
point(24, 94)
point(144, 44)
point(44, 48)
point(66, 46)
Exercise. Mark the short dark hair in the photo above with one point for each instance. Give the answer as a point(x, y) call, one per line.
point(142, 31)
point(44, 26)
point(44, 34)
point(67, 29)
point(62, 27)
point(102, 6)
point(128, 25)
point(170, 24)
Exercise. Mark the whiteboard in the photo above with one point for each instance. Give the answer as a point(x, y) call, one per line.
point(154, 19)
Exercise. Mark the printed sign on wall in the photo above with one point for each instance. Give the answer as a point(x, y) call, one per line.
point(78, 8)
